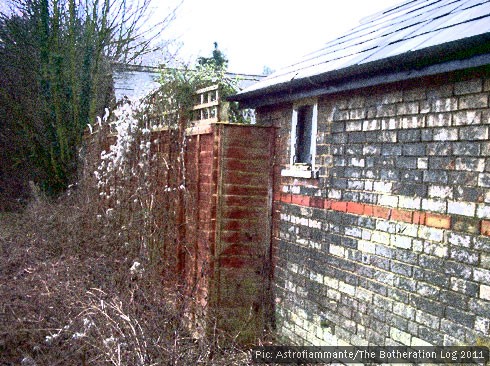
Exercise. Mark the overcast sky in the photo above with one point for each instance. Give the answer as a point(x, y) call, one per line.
point(273, 33)
point(258, 33)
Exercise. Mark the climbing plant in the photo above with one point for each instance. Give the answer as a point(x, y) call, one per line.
point(178, 86)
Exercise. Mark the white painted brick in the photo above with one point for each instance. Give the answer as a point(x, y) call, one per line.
point(412, 122)
point(437, 250)
point(445, 105)
point(439, 120)
point(459, 240)
point(387, 226)
point(337, 250)
point(346, 288)
point(440, 192)
point(412, 203)
point(366, 234)
point(434, 205)
point(293, 267)
point(484, 292)
point(380, 237)
point(305, 211)
point(333, 294)
point(314, 224)
point(422, 163)
point(470, 165)
point(407, 229)
point(331, 282)
point(389, 124)
point(371, 150)
point(481, 275)
point(353, 126)
point(484, 180)
point(483, 211)
point(485, 260)
point(288, 285)
point(329, 338)
point(458, 284)
point(466, 118)
point(301, 241)
point(303, 271)
point(335, 194)
point(401, 241)
point(316, 277)
point(482, 325)
point(445, 134)
point(431, 234)
point(364, 295)
point(461, 208)
point(366, 246)
point(315, 245)
point(357, 162)
point(417, 246)
point(371, 125)
point(384, 187)
point(343, 343)
point(387, 200)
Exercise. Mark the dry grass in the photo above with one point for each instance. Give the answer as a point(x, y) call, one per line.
point(72, 294)
point(90, 279)
point(69, 297)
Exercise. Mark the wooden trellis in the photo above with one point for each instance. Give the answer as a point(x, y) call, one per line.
point(208, 106)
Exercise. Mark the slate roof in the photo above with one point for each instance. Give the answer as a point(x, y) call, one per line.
point(407, 33)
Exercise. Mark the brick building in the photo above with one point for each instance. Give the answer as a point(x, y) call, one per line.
point(381, 181)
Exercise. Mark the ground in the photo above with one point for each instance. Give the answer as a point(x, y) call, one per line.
point(64, 299)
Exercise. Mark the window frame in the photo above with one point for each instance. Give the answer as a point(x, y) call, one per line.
point(302, 170)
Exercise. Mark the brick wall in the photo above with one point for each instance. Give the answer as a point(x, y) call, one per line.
point(212, 220)
point(243, 229)
point(227, 228)
point(390, 246)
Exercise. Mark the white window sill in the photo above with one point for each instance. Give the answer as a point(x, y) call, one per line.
point(299, 173)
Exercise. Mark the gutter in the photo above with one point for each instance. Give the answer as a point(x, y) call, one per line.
point(471, 52)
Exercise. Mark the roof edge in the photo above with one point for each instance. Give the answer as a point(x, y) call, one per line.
point(465, 53)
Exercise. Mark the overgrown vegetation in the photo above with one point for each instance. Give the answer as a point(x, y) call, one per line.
point(178, 87)
point(55, 77)
point(72, 296)
point(90, 278)
point(90, 269)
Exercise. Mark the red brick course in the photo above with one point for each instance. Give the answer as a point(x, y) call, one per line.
point(387, 213)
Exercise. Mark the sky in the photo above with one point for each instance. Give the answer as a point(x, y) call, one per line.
point(254, 34)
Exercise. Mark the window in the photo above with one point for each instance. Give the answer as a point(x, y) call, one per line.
point(303, 141)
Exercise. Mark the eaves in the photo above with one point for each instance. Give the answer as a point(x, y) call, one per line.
point(466, 53)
